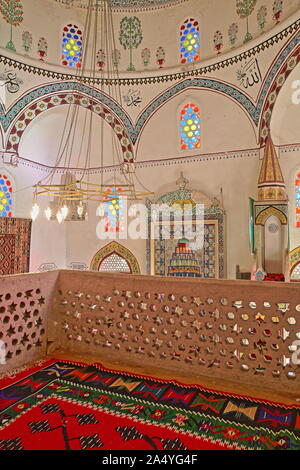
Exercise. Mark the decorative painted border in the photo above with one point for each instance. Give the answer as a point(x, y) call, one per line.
point(131, 131)
point(31, 111)
point(115, 247)
point(264, 212)
point(294, 257)
point(129, 5)
point(160, 78)
point(161, 162)
point(273, 91)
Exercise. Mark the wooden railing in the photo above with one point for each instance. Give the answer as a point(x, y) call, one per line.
point(240, 331)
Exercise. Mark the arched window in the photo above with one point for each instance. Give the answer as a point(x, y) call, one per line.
point(189, 41)
point(295, 274)
point(115, 257)
point(72, 46)
point(5, 196)
point(114, 262)
point(297, 196)
point(190, 127)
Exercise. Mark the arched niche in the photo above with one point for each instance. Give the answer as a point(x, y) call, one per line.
point(178, 252)
point(117, 257)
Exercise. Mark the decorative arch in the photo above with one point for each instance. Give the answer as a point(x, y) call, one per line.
point(120, 250)
point(173, 253)
point(295, 272)
point(294, 259)
point(47, 97)
point(266, 213)
point(279, 73)
point(258, 113)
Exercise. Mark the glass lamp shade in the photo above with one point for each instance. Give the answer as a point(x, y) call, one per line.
point(59, 217)
point(48, 213)
point(35, 211)
point(64, 211)
point(80, 209)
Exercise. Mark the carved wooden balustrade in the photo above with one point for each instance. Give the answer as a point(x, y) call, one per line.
point(235, 330)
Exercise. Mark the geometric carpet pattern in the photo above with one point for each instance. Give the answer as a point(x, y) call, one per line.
point(61, 405)
point(15, 237)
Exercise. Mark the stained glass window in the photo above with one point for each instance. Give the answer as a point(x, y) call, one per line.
point(114, 210)
point(297, 195)
point(5, 196)
point(190, 127)
point(114, 262)
point(189, 41)
point(72, 46)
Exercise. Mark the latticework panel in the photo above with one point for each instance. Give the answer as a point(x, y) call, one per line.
point(24, 302)
point(241, 331)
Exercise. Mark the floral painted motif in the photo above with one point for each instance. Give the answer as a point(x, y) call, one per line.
point(244, 8)
point(101, 57)
point(27, 41)
point(12, 11)
point(160, 56)
point(42, 48)
point(277, 10)
point(232, 33)
point(218, 41)
point(130, 35)
point(116, 57)
point(261, 16)
point(146, 54)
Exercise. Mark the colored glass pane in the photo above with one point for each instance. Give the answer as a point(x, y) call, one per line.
point(5, 196)
point(114, 210)
point(189, 41)
point(72, 46)
point(190, 130)
point(114, 262)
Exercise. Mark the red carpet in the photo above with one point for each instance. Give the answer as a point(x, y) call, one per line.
point(60, 405)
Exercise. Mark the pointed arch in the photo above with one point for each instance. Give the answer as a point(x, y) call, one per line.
point(115, 248)
point(266, 213)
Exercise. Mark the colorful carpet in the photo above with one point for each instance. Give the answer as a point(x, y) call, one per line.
point(61, 405)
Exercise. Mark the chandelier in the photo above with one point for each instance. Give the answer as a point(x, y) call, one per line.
point(68, 186)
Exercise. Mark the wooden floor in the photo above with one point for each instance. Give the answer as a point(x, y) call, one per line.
point(220, 385)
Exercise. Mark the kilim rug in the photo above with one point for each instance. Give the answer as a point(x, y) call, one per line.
point(15, 236)
point(61, 405)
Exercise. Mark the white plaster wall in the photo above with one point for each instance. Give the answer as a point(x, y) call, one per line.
point(238, 179)
point(224, 126)
point(285, 129)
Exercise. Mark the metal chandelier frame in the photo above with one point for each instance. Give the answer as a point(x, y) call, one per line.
point(72, 191)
